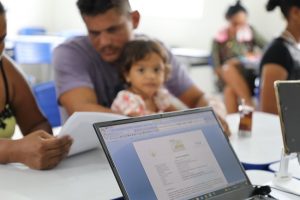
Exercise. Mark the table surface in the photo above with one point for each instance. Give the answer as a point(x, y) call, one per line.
point(259, 177)
point(84, 176)
point(88, 175)
point(262, 177)
point(294, 167)
point(265, 144)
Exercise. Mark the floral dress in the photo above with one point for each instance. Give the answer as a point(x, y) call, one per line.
point(127, 102)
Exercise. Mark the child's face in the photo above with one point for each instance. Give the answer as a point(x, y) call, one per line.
point(147, 75)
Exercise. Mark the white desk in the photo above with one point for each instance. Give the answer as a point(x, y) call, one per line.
point(265, 144)
point(259, 177)
point(84, 176)
point(262, 177)
point(294, 167)
point(191, 57)
point(281, 195)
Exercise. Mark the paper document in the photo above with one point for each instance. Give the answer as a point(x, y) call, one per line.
point(80, 127)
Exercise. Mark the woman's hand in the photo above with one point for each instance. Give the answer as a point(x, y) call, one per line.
point(40, 150)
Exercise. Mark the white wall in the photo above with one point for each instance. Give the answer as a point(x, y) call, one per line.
point(67, 16)
point(198, 33)
point(28, 13)
point(60, 15)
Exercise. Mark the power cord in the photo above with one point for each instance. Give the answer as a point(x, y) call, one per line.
point(263, 190)
point(272, 187)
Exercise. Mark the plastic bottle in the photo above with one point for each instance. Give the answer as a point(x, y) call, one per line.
point(245, 125)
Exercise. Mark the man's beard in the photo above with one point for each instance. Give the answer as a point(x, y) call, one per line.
point(110, 49)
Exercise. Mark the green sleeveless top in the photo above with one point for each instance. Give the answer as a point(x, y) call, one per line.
point(7, 119)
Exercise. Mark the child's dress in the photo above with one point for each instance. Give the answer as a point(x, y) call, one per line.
point(127, 102)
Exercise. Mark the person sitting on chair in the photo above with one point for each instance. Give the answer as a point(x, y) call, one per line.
point(281, 60)
point(235, 54)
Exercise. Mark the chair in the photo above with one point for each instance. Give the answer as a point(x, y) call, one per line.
point(46, 98)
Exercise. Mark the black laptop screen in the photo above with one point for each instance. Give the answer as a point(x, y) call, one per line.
point(177, 157)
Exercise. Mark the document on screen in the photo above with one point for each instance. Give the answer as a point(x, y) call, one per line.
point(180, 166)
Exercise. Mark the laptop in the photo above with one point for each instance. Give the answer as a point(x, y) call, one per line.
point(173, 156)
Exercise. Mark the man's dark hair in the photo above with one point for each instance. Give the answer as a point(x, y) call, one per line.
point(2, 10)
point(285, 5)
point(95, 7)
point(137, 50)
point(234, 9)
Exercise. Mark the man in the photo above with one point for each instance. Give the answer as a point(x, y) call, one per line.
point(87, 77)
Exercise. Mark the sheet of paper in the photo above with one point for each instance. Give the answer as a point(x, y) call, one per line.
point(176, 167)
point(80, 127)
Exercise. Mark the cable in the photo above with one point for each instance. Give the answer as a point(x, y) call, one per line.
point(281, 190)
point(262, 190)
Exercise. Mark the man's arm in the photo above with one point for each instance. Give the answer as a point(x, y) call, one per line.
point(81, 99)
point(193, 97)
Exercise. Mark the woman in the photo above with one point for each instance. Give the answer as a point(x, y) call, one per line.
point(281, 61)
point(38, 149)
point(236, 51)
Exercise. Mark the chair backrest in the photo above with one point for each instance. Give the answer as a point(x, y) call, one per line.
point(46, 98)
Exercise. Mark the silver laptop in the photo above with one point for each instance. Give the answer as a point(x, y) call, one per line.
point(173, 156)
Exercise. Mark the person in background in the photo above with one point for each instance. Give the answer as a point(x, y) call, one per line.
point(281, 60)
point(86, 72)
point(38, 149)
point(144, 68)
point(236, 53)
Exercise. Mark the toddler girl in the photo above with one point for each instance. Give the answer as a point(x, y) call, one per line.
point(144, 68)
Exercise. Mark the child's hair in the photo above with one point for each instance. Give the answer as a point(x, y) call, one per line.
point(137, 50)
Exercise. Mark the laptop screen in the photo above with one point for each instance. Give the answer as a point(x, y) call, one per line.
point(183, 156)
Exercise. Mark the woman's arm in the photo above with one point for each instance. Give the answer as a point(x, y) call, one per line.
point(38, 149)
point(270, 73)
point(25, 108)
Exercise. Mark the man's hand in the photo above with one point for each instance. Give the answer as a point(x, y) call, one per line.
point(224, 126)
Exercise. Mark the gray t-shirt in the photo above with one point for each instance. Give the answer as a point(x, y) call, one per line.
point(77, 64)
